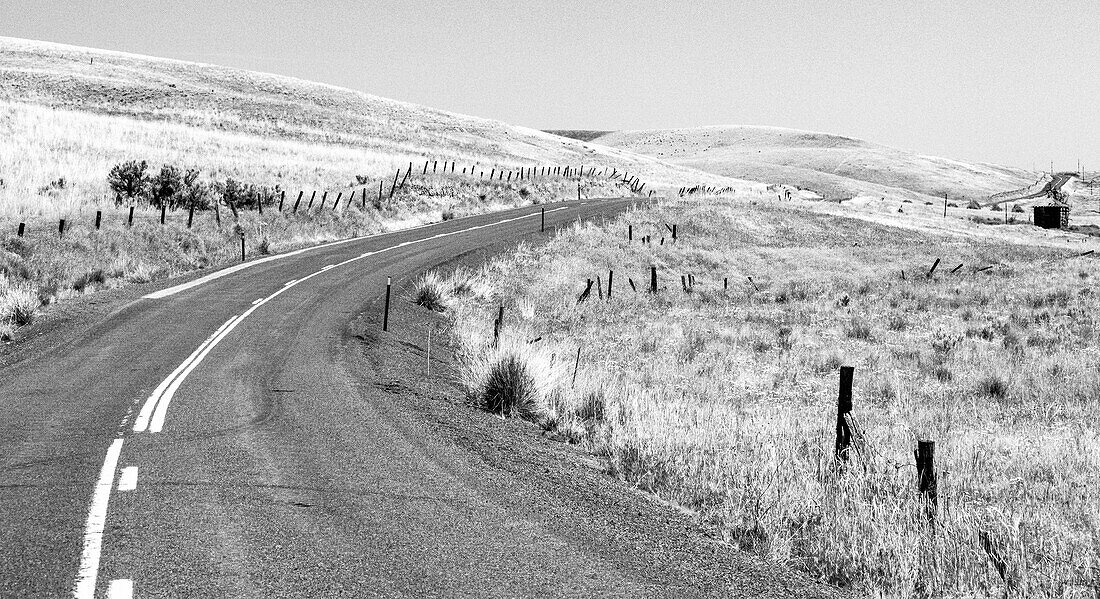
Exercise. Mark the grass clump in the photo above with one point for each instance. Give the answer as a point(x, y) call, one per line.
point(429, 292)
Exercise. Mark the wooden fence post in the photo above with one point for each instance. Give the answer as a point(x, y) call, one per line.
point(843, 408)
point(386, 310)
point(653, 279)
point(542, 223)
point(61, 228)
point(630, 232)
point(393, 187)
point(497, 325)
point(926, 475)
point(610, 278)
point(297, 202)
point(163, 210)
point(282, 198)
point(324, 196)
point(242, 248)
point(98, 217)
point(22, 227)
point(190, 214)
point(312, 196)
point(933, 269)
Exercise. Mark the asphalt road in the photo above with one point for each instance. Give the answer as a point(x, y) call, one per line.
point(257, 435)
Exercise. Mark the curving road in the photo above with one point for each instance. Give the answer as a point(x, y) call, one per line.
point(256, 435)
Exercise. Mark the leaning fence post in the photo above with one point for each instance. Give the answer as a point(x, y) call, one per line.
point(386, 311)
point(323, 197)
point(282, 198)
point(926, 475)
point(393, 187)
point(576, 366)
point(610, 278)
point(933, 269)
point(843, 408)
point(190, 214)
point(61, 228)
point(297, 202)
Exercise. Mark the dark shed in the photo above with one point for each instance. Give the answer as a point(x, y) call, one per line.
point(1052, 216)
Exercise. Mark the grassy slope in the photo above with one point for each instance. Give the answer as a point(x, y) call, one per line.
point(724, 401)
point(829, 164)
point(230, 122)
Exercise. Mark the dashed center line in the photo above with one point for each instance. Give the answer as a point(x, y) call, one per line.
point(122, 588)
point(93, 528)
point(127, 481)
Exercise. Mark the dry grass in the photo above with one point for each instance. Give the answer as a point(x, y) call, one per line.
point(724, 401)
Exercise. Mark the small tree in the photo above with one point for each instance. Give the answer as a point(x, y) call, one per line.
point(233, 194)
point(128, 180)
point(194, 192)
point(166, 186)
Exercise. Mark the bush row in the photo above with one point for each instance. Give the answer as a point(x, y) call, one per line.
point(173, 187)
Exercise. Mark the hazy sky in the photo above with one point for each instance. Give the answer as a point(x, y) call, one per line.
point(1006, 81)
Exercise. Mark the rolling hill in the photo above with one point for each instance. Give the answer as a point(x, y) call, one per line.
point(829, 165)
point(73, 112)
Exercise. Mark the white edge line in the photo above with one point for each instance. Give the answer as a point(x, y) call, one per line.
point(163, 293)
point(84, 588)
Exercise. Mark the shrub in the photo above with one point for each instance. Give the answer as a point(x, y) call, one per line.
point(448, 214)
point(509, 389)
point(194, 192)
point(993, 386)
point(165, 186)
point(233, 193)
point(128, 180)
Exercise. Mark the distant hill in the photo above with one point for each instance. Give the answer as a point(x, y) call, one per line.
point(831, 165)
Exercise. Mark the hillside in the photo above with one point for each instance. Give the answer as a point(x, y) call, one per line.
point(830, 165)
point(73, 112)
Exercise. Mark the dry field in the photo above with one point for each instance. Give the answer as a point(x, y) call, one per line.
point(723, 401)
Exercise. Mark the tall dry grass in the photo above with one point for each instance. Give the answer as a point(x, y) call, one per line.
point(724, 401)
